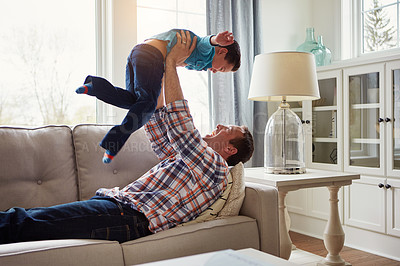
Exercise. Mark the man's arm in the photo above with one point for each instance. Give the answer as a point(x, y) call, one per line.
point(156, 128)
point(156, 131)
point(182, 49)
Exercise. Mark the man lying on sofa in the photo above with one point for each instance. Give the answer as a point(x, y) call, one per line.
point(192, 173)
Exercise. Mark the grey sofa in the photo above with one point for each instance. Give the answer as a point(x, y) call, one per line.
point(56, 164)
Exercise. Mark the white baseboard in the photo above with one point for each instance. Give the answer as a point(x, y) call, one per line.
point(368, 241)
point(371, 242)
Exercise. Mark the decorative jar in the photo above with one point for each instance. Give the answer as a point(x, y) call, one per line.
point(310, 42)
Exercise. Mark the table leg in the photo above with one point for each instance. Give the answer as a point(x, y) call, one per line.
point(333, 234)
point(288, 224)
point(284, 238)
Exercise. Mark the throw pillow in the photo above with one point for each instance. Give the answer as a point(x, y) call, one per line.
point(236, 196)
point(211, 212)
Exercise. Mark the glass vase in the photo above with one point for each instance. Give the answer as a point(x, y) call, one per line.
point(322, 54)
point(310, 42)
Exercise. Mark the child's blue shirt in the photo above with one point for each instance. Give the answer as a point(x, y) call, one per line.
point(202, 55)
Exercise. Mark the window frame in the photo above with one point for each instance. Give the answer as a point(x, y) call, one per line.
point(115, 34)
point(352, 37)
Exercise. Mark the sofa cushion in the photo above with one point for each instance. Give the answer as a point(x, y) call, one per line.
point(37, 167)
point(62, 252)
point(134, 159)
point(230, 233)
point(236, 196)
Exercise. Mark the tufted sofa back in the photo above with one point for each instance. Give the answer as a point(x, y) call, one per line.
point(135, 159)
point(36, 163)
point(56, 164)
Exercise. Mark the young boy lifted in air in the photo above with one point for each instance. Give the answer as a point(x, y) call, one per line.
point(143, 78)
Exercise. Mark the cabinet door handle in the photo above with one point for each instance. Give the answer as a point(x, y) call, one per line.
point(302, 121)
point(380, 120)
point(388, 186)
point(308, 122)
point(387, 119)
point(380, 185)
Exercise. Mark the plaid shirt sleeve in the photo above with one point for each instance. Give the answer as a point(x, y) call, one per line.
point(156, 131)
point(186, 140)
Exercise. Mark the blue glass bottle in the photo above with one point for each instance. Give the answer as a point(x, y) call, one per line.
point(319, 54)
point(323, 55)
point(328, 53)
point(310, 42)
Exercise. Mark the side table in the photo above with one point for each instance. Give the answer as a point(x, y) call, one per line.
point(333, 234)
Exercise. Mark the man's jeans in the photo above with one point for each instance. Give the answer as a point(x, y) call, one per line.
point(144, 72)
point(97, 218)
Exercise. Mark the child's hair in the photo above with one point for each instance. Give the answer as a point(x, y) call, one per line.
point(233, 55)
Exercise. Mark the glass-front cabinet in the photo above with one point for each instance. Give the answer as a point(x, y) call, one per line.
point(372, 145)
point(324, 134)
point(392, 118)
point(364, 149)
point(355, 125)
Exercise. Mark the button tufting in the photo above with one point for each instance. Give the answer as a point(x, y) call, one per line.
point(115, 171)
point(39, 182)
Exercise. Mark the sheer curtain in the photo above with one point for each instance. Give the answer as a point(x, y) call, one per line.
point(228, 91)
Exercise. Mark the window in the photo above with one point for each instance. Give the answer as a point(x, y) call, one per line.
point(47, 48)
point(156, 16)
point(380, 25)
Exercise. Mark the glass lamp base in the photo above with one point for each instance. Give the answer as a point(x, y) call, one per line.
point(285, 170)
point(284, 143)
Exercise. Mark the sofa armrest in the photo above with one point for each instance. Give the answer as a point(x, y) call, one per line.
point(261, 203)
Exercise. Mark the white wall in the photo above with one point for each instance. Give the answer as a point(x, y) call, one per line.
point(327, 22)
point(124, 31)
point(284, 23)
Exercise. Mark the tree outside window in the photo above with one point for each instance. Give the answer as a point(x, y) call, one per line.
point(380, 25)
point(46, 49)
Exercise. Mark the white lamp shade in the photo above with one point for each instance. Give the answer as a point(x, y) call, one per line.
point(290, 74)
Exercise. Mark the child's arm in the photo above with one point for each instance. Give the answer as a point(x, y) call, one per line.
point(222, 39)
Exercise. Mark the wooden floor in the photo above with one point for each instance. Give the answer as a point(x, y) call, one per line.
point(353, 256)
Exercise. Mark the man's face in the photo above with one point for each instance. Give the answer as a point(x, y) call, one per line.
point(223, 134)
point(219, 64)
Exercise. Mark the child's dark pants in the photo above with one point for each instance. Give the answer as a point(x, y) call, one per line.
point(144, 72)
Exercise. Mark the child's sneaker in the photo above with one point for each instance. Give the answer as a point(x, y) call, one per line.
point(108, 157)
point(85, 89)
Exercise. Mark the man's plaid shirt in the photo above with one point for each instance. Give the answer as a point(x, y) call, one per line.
point(188, 179)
